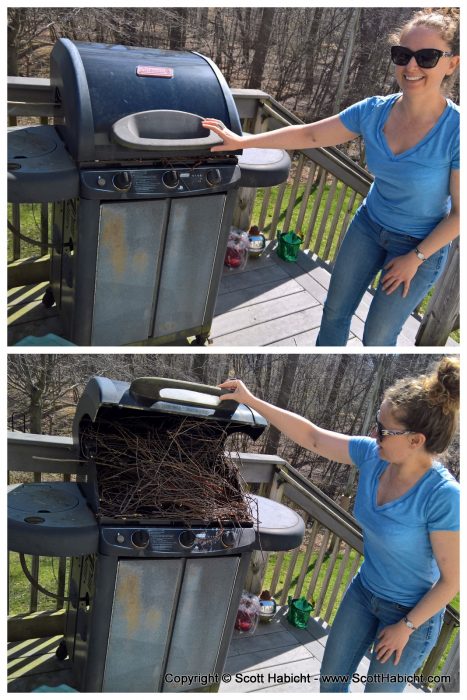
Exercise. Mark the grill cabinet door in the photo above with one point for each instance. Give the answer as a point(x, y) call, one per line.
point(128, 256)
point(200, 624)
point(188, 272)
point(143, 605)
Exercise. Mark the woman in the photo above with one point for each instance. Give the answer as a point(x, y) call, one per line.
point(411, 212)
point(407, 504)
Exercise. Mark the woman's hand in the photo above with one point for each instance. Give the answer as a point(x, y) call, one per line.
point(333, 446)
point(232, 142)
point(240, 393)
point(392, 640)
point(400, 270)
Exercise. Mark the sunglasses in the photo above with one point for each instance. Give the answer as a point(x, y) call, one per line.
point(382, 432)
point(426, 58)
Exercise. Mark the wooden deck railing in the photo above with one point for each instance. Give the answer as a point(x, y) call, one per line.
point(323, 191)
point(320, 569)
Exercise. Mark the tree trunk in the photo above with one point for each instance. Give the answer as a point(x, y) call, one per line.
point(329, 410)
point(351, 30)
point(283, 400)
point(200, 367)
point(262, 44)
point(13, 28)
point(177, 31)
point(311, 48)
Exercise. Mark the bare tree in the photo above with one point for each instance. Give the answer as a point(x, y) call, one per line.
point(177, 31)
point(283, 400)
point(351, 30)
point(261, 48)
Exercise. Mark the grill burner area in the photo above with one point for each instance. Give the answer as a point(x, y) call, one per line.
point(166, 469)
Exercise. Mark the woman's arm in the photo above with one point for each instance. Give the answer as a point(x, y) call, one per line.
point(327, 132)
point(445, 545)
point(402, 269)
point(326, 443)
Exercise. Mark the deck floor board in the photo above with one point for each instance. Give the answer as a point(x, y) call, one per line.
point(269, 303)
point(246, 312)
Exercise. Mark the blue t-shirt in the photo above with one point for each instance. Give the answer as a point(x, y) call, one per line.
point(399, 564)
point(410, 193)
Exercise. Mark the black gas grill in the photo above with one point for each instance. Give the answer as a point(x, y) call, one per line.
point(142, 207)
point(150, 580)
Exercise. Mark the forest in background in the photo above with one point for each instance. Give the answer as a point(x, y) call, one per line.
point(338, 392)
point(315, 61)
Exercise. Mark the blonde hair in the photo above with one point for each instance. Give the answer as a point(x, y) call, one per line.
point(444, 20)
point(429, 404)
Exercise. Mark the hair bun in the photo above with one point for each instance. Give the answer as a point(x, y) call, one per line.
point(451, 12)
point(444, 385)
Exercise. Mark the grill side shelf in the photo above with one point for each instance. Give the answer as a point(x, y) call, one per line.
point(40, 169)
point(50, 519)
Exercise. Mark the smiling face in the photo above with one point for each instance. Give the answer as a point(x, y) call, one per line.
point(415, 80)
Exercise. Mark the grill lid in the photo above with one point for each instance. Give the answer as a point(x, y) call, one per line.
point(157, 395)
point(99, 85)
point(168, 434)
point(124, 106)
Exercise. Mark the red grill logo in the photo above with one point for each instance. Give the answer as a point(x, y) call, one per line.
point(154, 72)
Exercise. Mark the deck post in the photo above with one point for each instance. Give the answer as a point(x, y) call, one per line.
point(247, 195)
point(259, 559)
point(442, 314)
point(451, 671)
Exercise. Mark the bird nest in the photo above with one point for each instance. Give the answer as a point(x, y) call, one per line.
point(171, 469)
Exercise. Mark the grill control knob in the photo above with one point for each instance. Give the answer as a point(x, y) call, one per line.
point(140, 539)
point(170, 179)
point(228, 538)
point(122, 181)
point(187, 538)
point(213, 177)
point(120, 538)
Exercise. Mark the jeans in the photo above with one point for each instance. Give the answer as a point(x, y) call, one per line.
point(359, 619)
point(366, 249)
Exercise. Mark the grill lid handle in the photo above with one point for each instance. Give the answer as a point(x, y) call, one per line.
point(153, 389)
point(163, 129)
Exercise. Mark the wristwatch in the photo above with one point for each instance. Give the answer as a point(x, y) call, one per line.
point(409, 623)
point(419, 254)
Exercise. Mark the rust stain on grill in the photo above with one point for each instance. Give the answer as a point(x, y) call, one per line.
point(129, 597)
point(153, 618)
point(141, 260)
point(123, 261)
point(114, 241)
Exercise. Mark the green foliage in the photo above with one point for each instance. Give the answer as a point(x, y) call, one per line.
point(30, 226)
point(309, 210)
point(19, 586)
